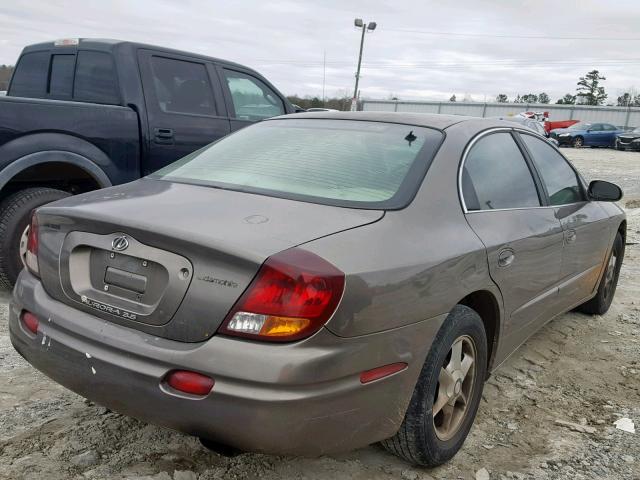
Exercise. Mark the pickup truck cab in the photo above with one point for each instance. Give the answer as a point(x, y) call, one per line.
point(84, 114)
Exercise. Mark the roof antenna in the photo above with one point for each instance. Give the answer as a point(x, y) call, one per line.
point(410, 138)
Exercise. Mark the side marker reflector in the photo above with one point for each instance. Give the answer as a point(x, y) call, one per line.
point(381, 372)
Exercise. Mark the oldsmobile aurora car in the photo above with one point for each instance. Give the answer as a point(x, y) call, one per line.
point(319, 282)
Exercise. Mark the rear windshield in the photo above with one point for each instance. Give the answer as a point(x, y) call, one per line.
point(335, 162)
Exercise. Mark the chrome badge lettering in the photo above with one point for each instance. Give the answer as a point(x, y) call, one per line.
point(103, 307)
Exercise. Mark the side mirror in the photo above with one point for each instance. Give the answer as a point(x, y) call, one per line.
point(602, 191)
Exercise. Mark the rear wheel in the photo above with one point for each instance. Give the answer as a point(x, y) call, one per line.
point(447, 394)
point(15, 213)
point(599, 305)
point(578, 142)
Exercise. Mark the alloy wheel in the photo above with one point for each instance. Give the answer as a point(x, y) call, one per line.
point(455, 387)
point(610, 275)
point(24, 240)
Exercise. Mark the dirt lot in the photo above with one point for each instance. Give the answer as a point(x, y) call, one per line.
point(580, 369)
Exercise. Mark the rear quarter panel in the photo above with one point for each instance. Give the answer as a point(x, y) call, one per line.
point(414, 264)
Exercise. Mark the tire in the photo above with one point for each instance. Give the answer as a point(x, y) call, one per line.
point(420, 440)
point(599, 305)
point(578, 142)
point(15, 215)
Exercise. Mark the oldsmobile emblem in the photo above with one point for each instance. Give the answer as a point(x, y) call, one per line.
point(120, 243)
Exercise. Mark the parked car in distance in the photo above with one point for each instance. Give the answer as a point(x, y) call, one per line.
point(585, 134)
point(629, 140)
point(550, 125)
point(86, 114)
point(318, 282)
point(532, 123)
point(319, 109)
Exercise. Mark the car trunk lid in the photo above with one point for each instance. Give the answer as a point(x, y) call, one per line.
point(170, 258)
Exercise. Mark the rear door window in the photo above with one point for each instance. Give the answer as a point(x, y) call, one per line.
point(61, 76)
point(30, 76)
point(496, 176)
point(560, 180)
point(252, 99)
point(182, 86)
point(95, 78)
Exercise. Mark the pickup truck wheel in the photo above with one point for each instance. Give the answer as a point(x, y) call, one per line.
point(447, 394)
point(578, 142)
point(15, 216)
point(599, 305)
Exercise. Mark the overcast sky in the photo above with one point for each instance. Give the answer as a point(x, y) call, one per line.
point(420, 50)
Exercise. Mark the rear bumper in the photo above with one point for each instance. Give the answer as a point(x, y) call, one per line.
point(303, 398)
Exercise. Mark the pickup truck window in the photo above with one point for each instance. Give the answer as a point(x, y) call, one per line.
point(61, 77)
point(30, 76)
point(95, 78)
point(252, 99)
point(182, 87)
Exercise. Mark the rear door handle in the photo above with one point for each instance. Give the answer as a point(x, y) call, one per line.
point(506, 257)
point(163, 135)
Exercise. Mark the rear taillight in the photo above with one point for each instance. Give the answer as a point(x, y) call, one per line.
point(293, 295)
point(31, 257)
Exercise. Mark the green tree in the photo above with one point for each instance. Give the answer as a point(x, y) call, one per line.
point(589, 88)
point(543, 98)
point(502, 98)
point(568, 99)
point(518, 99)
point(453, 98)
point(530, 98)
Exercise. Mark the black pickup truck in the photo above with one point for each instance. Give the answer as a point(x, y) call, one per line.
point(83, 114)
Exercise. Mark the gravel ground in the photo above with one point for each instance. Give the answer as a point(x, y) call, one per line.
point(579, 369)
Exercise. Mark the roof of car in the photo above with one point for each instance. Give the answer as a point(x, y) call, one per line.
point(418, 119)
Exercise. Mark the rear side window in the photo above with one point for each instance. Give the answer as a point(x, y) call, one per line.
point(182, 87)
point(252, 99)
point(95, 78)
point(496, 175)
point(61, 76)
point(560, 180)
point(30, 76)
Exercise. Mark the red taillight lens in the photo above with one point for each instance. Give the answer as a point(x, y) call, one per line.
point(294, 295)
point(30, 321)
point(33, 240)
point(189, 382)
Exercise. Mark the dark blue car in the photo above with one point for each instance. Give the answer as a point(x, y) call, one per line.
point(584, 134)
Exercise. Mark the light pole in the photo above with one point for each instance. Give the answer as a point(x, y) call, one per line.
point(371, 26)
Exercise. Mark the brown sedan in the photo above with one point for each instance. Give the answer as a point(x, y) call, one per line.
point(318, 282)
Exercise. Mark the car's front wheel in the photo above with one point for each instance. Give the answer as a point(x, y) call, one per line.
point(578, 142)
point(447, 394)
point(15, 215)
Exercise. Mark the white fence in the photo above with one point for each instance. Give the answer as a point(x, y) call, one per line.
point(620, 116)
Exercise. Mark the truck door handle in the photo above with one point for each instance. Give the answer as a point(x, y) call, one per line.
point(570, 236)
point(506, 257)
point(163, 135)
